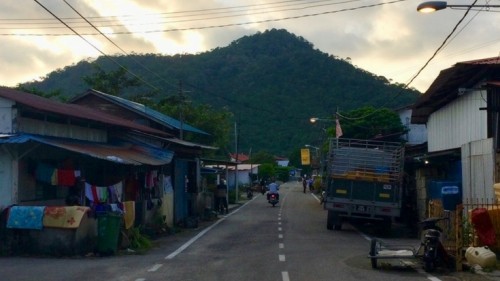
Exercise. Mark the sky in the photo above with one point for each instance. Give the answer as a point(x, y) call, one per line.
point(385, 37)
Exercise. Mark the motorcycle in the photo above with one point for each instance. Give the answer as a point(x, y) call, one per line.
point(273, 199)
point(249, 193)
point(263, 187)
point(430, 251)
point(434, 253)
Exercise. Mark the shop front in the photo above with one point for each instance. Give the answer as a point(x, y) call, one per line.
point(66, 186)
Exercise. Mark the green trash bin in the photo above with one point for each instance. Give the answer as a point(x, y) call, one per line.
point(108, 232)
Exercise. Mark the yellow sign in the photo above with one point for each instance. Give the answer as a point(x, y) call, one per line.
point(384, 195)
point(341, 191)
point(305, 156)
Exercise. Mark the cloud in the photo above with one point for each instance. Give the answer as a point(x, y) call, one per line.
point(390, 40)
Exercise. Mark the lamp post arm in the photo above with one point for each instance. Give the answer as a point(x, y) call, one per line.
point(432, 6)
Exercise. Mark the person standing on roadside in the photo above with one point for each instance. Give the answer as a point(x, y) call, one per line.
point(304, 182)
point(222, 197)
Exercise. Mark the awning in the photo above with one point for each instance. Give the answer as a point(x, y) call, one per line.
point(123, 153)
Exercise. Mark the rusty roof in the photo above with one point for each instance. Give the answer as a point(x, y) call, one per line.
point(72, 110)
point(121, 153)
point(445, 87)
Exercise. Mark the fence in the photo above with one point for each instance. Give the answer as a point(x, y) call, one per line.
point(458, 231)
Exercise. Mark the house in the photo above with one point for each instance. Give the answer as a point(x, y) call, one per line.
point(417, 133)
point(236, 175)
point(184, 172)
point(460, 110)
point(240, 157)
point(282, 161)
point(54, 154)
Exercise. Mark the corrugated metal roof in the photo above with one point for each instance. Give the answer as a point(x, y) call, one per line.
point(123, 153)
point(146, 111)
point(445, 87)
point(72, 110)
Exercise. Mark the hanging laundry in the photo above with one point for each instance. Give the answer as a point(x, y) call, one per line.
point(96, 194)
point(53, 179)
point(102, 192)
point(66, 177)
point(167, 185)
point(89, 192)
point(116, 192)
point(129, 213)
point(44, 172)
point(26, 217)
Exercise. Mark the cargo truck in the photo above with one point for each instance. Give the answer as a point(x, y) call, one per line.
point(364, 181)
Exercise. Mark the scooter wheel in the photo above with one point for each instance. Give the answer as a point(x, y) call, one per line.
point(373, 253)
point(428, 266)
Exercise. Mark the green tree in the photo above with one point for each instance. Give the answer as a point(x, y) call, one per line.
point(371, 123)
point(267, 170)
point(112, 82)
point(216, 122)
point(282, 173)
point(263, 157)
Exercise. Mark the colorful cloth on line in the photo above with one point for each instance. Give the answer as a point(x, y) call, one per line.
point(49, 174)
point(129, 213)
point(64, 217)
point(26, 217)
point(101, 194)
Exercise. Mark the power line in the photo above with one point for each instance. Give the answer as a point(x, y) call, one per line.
point(95, 47)
point(211, 26)
point(190, 13)
point(443, 44)
point(116, 45)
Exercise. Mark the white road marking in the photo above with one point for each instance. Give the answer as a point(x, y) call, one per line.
point(280, 236)
point(282, 257)
point(155, 267)
point(192, 240)
point(140, 279)
point(281, 245)
point(284, 276)
point(280, 229)
point(279, 223)
point(315, 197)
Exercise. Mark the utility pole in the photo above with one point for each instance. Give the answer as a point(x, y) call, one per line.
point(181, 110)
point(236, 159)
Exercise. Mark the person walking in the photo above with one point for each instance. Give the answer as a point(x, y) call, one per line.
point(310, 182)
point(222, 197)
point(304, 182)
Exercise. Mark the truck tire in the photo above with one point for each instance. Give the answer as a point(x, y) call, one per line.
point(329, 220)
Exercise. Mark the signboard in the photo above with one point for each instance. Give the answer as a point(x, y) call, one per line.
point(305, 156)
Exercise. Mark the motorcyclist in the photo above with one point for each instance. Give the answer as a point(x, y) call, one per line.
point(263, 186)
point(273, 189)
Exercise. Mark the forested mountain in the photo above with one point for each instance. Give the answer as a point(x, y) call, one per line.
point(273, 82)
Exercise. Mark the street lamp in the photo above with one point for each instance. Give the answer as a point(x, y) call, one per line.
point(316, 119)
point(310, 146)
point(432, 6)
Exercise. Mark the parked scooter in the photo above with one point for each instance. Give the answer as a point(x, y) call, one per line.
point(273, 199)
point(434, 253)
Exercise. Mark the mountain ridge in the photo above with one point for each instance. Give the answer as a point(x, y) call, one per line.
point(272, 81)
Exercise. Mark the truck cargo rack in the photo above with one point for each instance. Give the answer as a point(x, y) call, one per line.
point(367, 160)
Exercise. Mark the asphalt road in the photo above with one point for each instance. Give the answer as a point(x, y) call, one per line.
point(256, 241)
